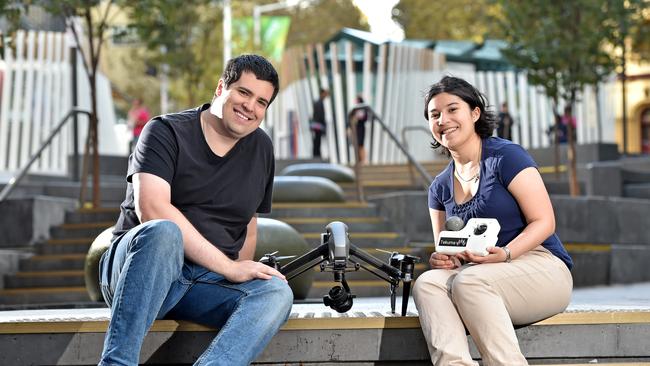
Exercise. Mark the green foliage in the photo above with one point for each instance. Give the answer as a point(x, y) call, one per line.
point(321, 20)
point(629, 20)
point(11, 10)
point(186, 36)
point(454, 20)
point(560, 43)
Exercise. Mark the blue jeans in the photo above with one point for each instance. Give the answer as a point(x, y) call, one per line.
point(144, 276)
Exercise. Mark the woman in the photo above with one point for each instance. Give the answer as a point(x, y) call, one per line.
point(359, 113)
point(526, 276)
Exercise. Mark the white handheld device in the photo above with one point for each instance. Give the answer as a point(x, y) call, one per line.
point(475, 237)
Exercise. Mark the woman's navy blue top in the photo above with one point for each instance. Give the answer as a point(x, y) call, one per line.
point(501, 161)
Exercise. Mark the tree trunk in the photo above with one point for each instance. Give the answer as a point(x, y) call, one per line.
point(94, 126)
point(556, 147)
point(574, 187)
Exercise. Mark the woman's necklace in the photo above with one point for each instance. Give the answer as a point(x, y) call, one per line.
point(474, 178)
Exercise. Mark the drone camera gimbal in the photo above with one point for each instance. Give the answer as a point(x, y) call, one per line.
point(338, 255)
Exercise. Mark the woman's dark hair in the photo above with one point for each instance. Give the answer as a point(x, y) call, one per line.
point(256, 64)
point(486, 123)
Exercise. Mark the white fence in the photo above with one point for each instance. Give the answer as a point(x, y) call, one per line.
point(36, 93)
point(393, 83)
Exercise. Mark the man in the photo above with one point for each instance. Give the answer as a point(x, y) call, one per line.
point(318, 124)
point(186, 235)
point(504, 123)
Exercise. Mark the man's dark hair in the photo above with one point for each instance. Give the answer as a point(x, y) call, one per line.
point(258, 65)
point(486, 123)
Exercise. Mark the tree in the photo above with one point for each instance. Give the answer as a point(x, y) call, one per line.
point(185, 37)
point(626, 26)
point(457, 20)
point(90, 45)
point(321, 20)
point(562, 47)
point(12, 10)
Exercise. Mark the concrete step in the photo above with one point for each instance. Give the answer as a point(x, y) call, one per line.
point(41, 295)
point(80, 230)
point(93, 215)
point(345, 209)
point(53, 262)
point(62, 278)
point(64, 246)
point(110, 191)
point(355, 224)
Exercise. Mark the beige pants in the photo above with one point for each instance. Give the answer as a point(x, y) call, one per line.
point(489, 299)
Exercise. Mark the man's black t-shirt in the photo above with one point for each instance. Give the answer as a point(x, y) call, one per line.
point(218, 195)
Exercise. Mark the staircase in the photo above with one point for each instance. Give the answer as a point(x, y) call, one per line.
point(378, 179)
point(54, 276)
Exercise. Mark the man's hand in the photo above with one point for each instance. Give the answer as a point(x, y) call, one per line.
point(246, 270)
point(495, 255)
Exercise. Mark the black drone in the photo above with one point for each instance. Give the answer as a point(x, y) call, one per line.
point(338, 255)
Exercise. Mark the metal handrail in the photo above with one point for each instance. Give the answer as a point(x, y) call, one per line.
point(15, 180)
point(374, 117)
point(406, 146)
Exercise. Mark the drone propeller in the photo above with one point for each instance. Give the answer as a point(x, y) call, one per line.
point(384, 251)
point(283, 257)
point(272, 260)
point(268, 255)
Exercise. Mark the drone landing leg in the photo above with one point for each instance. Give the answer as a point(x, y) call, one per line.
point(393, 292)
point(405, 297)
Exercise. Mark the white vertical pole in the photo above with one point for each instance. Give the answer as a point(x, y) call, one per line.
point(534, 116)
point(491, 91)
point(17, 100)
point(55, 147)
point(390, 98)
point(481, 82)
point(7, 78)
point(513, 106)
point(312, 73)
point(28, 104)
point(538, 131)
point(325, 84)
point(47, 103)
point(66, 103)
point(367, 72)
point(351, 87)
point(339, 107)
point(524, 105)
point(379, 101)
point(39, 67)
point(227, 31)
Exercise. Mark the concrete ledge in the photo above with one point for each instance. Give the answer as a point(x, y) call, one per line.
point(337, 173)
point(306, 189)
point(26, 221)
point(314, 334)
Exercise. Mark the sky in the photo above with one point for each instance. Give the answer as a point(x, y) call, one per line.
point(379, 18)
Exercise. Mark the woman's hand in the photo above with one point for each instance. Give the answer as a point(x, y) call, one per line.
point(443, 261)
point(495, 255)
